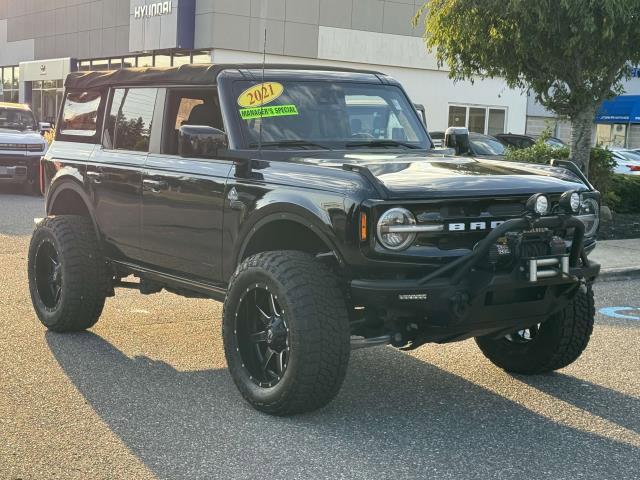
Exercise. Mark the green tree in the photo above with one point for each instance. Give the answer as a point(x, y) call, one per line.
point(572, 54)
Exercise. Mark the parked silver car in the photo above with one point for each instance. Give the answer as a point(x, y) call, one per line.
point(627, 161)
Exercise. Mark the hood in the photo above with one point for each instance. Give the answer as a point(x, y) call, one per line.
point(411, 175)
point(16, 136)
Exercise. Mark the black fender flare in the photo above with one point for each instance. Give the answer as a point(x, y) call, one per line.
point(308, 221)
point(66, 183)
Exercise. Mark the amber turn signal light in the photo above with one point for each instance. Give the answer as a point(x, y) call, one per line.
point(363, 226)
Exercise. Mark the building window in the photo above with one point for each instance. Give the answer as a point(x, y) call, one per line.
point(611, 134)
point(46, 99)
point(201, 57)
point(181, 59)
point(168, 59)
point(478, 119)
point(100, 64)
point(9, 84)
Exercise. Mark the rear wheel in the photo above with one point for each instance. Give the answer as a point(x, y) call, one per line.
point(548, 346)
point(67, 274)
point(286, 332)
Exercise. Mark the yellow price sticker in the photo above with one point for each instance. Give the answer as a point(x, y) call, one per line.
point(260, 94)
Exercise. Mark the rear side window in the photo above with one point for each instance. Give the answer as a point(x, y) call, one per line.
point(129, 121)
point(80, 114)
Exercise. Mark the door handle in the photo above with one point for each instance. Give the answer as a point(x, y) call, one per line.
point(95, 177)
point(154, 185)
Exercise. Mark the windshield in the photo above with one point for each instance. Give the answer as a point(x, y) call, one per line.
point(484, 145)
point(323, 115)
point(17, 119)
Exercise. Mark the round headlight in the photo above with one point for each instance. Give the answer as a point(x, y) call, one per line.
point(541, 205)
point(394, 229)
point(590, 216)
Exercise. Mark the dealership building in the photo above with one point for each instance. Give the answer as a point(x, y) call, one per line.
point(43, 40)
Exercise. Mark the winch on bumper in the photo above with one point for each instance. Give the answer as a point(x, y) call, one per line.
point(471, 296)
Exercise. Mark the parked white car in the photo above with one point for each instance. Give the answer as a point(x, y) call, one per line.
point(627, 161)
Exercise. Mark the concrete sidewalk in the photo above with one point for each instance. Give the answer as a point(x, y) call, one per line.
point(620, 259)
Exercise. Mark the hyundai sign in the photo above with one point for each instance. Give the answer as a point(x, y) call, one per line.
point(152, 10)
point(159, 25)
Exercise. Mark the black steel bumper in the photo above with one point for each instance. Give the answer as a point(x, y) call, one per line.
point(459, 301)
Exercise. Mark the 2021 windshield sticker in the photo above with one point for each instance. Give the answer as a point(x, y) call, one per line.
point(261, 94)
point(264, 112)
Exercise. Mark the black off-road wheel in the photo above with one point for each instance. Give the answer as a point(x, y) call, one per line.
point(286, 332)
point(549, 346)
point(67, 274)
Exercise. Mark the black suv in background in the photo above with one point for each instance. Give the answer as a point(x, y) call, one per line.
point(308, 200)
point(513, 140)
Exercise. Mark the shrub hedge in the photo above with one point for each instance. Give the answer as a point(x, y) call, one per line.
point(620, 192)
point(626, 189)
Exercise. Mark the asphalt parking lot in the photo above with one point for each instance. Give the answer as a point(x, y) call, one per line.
point(145, 394)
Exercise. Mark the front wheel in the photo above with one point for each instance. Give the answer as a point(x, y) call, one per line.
point(548, 346)
point(286, 332)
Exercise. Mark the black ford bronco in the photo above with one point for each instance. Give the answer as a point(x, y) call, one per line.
point(311, 201)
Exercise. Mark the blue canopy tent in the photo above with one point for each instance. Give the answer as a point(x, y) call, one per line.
point(622, 109)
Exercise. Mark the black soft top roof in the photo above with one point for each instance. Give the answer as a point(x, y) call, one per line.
point(200, 74)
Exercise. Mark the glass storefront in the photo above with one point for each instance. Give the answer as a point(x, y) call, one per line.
point(46, 98)
point(9, 76)
point(611, 134)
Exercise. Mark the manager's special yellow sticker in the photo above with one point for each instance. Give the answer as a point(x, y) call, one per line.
point(261, 94)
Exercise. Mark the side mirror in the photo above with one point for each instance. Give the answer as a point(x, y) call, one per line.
point(422, 113)
point(458, 139)
point(201, 141)
point(44, 127)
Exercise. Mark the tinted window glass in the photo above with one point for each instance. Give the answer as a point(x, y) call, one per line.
point(189, 107)
point(129, 123)
point(80, 114)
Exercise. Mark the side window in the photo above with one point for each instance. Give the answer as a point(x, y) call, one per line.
point(185, 108)
point(80, 113)
point(189, 107)
point(129, 122)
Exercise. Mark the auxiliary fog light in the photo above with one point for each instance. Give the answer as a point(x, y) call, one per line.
point(538, 204)
point(570, 202)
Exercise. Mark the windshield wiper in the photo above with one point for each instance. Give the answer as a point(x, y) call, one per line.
point(381, 143)
point(291, 143)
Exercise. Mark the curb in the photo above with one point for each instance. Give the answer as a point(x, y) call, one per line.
point(618, 273)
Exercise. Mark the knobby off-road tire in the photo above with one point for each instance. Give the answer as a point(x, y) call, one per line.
point(309, 309)
point(556, 343)
point(69, 294)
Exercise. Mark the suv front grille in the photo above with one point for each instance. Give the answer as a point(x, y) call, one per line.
point(466, 221)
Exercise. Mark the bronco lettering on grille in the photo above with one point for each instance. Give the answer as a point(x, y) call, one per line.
point(473, 226)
